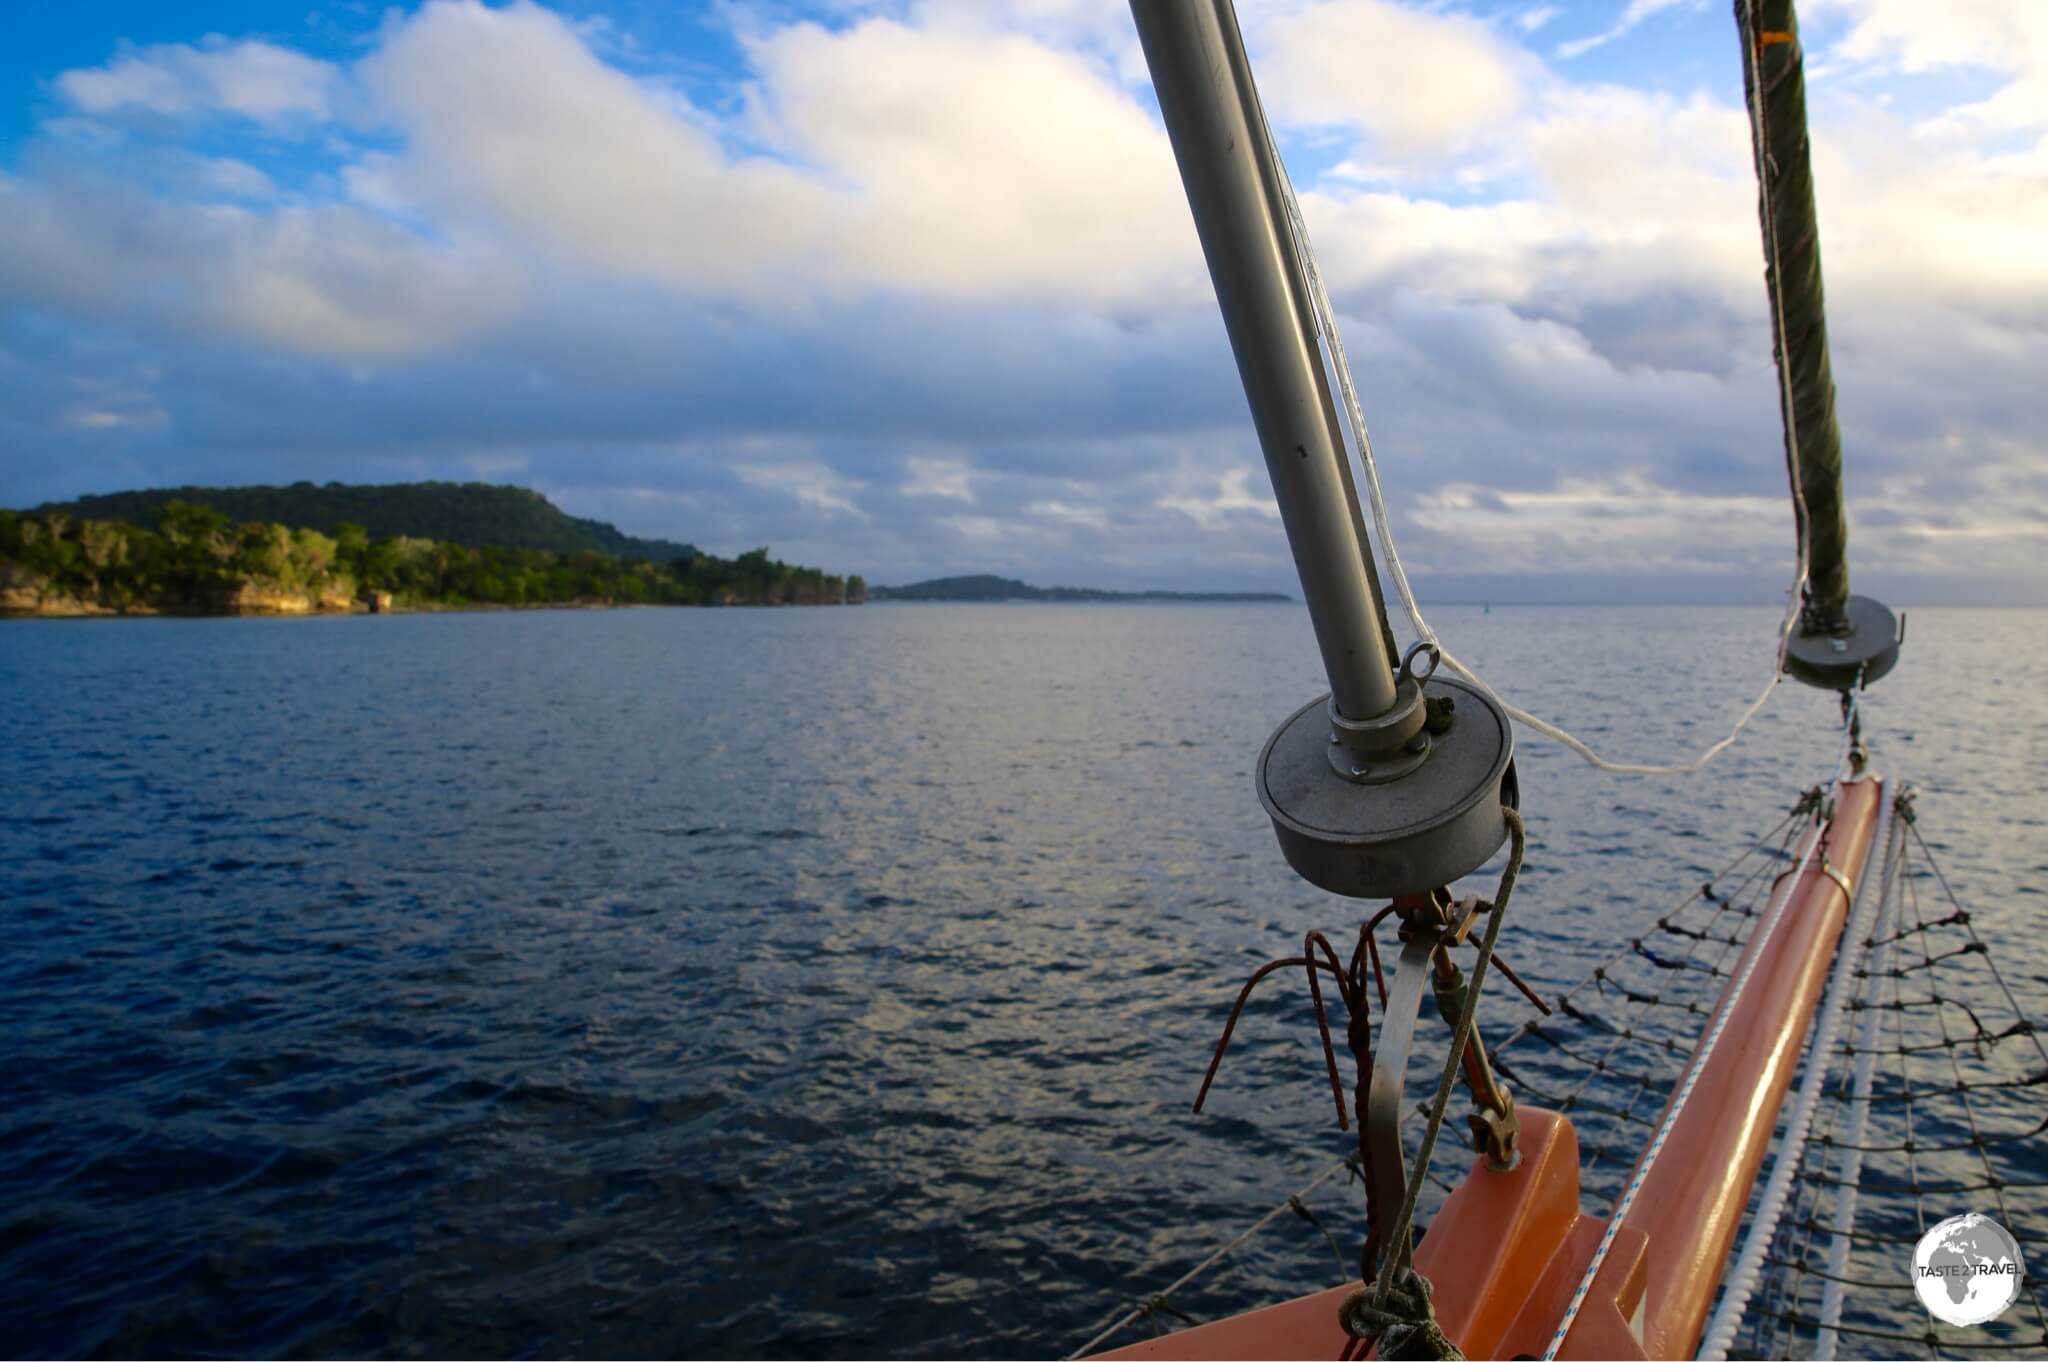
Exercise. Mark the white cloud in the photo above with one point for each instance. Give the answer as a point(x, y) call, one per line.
point(930, 299)
point(984, 530)
point(102, 402)
point(1097, 31)
point(1998, 35)
point(1070, 513)
point(513, 126)
point(253, 79)
point(979, 164)
point(324, 280)
point(1633, 15)
point(813, 485)
point(1421, 84)
point(2005, 37)
point(943, 162)
point(333, 281)
point(1625, 523)
point(1620, 199)
point(234, 178)
point(950, 478)
point(1210, 500)
point(376, 181)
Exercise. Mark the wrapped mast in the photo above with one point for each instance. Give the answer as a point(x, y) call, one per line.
point(1843, 642)
point(1774, 81)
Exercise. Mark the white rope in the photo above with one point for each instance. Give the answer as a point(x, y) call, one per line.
point(1831, 1297)
point(1326, 317)
point(1137, 1312)
point(1780, 897)
point(1699, 1064)
point(1755, 97)
point(1763, 1225)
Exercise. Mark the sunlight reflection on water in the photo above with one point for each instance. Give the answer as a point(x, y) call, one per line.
point(771, 982)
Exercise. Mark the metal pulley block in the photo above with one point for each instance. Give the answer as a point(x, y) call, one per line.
point(1497, 1133)
point(1850, 649)
point(1399, 817)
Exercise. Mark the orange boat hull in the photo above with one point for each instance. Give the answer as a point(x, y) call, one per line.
point(1508, 1250)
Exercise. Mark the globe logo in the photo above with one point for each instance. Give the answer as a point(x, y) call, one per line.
point(1967, 1270)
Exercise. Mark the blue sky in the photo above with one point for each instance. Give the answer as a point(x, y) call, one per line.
point(909, 288)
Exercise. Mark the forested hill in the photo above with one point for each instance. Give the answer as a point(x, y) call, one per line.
point(986, 587)
point(195, 562)
point(477, 514)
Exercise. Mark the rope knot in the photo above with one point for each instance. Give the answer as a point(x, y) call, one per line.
point(1403, 1326)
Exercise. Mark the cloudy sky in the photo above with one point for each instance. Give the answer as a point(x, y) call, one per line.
point(909, 288)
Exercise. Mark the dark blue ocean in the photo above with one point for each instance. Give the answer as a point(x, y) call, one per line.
point(778, 982)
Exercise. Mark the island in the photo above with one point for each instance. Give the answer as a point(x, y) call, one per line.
point(195, 559)
point(478, 514)
point(985, 587)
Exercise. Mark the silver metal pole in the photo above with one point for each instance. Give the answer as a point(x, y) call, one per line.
point(1219, 139)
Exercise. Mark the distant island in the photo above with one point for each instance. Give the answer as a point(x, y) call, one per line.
point(985, 587)
point(195, 558)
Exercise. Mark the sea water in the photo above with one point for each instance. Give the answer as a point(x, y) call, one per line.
point(779, 982)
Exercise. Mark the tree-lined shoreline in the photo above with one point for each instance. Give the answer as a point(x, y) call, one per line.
point(194, 561)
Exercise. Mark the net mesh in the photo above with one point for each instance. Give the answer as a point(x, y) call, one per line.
point(1957, 1083)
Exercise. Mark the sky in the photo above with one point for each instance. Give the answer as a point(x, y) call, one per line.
point(909, 287)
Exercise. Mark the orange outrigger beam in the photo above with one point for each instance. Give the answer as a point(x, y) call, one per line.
point(1508, 1251)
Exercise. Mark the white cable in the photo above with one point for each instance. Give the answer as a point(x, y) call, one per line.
point(1780, 897)
point(1136, 1313)
point(1735, 990)
point(1763, 1226)
point(1326, 319)
point(1828, 1335)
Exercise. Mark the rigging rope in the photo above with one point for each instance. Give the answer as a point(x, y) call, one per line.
point(1723, 896)
point(1729, 1006)
point(1763, 1225)
point(1935, 1130)
point(1124, 1318)
point(1326, 320)
point(1763, 846)
point(1897, 1210)
point(1698, 1066)
point(1859, 1114)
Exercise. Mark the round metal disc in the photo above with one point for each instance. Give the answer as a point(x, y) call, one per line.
point(1862, 655)
point(1428, 828)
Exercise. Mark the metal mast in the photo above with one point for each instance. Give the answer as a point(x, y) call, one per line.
point(1219, 138)
point(1378, 790)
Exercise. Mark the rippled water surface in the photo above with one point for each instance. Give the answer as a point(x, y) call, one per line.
point(773, 982)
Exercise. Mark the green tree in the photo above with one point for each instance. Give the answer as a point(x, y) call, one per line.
point(185, 524)
point(103, 543)
point(264, 551)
